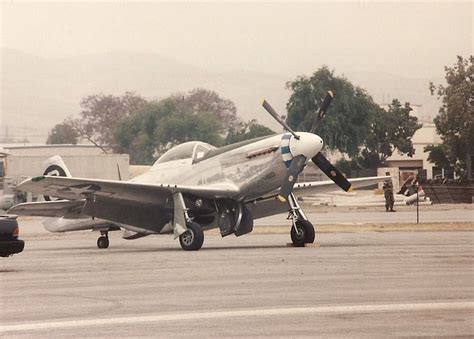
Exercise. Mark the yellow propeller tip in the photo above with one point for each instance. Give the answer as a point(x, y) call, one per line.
point(281, 198)
point(331, 94)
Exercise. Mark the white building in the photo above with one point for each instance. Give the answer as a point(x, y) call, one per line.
point(21, 161)
point(424, 136)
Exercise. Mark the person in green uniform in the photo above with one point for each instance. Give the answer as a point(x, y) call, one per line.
point(388, 194)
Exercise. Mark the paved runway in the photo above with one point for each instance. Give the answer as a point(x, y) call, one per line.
point(321, 215)
point(354, 284)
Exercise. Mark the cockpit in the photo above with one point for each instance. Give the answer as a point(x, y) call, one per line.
point(194, 150)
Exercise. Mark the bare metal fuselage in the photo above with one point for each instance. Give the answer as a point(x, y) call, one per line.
point(253, 174)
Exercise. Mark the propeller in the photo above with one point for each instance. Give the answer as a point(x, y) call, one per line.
point(299, 160)
point(322, 111)
point(332, 172)
point(275, 115)
point(296, 167)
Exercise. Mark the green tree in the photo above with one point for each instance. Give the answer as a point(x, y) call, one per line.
point(354, 124)
point(347, 121)
point(131, 124)
point(455, 121)
point(247, 130)
point(135, 134)
point(201, 100)
point(101, 113)
point(437, 155)
point(160, 125)
point(174, 130)
point(63, 133)
point(389, 131)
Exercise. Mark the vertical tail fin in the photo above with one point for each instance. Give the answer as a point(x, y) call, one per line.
point(56, 166)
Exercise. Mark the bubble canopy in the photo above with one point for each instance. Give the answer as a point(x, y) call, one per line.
point(188, 150)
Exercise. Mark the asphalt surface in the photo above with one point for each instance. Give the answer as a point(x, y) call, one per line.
point(352, 284)
point(323, 215)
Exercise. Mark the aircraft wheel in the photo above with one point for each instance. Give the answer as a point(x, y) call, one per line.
point(305, 233)
point(103, 242)
point(309, 234)
point(192, 239)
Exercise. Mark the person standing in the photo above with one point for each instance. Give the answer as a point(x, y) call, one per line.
point(388, 194)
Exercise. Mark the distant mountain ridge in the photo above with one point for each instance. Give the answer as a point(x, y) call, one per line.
point(37, 93)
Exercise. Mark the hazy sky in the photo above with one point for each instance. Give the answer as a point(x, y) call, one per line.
point(412, 39)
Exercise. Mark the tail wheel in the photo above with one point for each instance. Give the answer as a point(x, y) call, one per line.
point(303, 234)
point(193, 238)
point(103, 242)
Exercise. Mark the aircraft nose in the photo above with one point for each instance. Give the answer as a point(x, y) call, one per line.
point(308, 145)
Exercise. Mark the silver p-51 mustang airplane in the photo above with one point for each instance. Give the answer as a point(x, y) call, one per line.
point(194, 187)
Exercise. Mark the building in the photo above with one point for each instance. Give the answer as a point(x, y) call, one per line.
point(21, 161)
point(423, 137)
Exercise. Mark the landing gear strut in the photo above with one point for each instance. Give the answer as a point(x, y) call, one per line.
point(192, 238)
point(103, 241)
point(302, 231)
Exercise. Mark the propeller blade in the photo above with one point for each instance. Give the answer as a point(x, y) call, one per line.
point(332, 172)
point(297, 165)
point(322, 111)
point(275, 115)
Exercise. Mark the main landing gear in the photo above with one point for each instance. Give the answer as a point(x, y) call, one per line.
point(302, 231)
point(103, 241)
point(192, 239)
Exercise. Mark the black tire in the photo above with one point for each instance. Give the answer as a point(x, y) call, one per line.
point(103, 242)
point(310, 233)
point(304, 235)
point(193, 238)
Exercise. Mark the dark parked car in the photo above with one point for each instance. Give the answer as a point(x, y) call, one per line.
point(9, 242)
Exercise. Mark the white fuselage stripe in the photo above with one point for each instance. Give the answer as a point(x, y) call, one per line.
point(344, 309)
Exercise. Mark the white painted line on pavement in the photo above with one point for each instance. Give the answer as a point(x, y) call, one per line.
point(345, 309)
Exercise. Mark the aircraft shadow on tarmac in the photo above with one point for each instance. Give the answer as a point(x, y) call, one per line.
point(155, 249)
point(119, 249)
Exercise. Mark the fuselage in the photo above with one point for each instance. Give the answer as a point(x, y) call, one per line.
point(256, 167)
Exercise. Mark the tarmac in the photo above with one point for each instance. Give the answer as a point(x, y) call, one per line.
point(359, 284)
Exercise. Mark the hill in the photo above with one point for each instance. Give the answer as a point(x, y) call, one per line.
point(38, 92)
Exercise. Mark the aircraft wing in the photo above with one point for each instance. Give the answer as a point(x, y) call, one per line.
point(316, 187)
point(78, 188)
point(270, 206)
point(62, 208)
